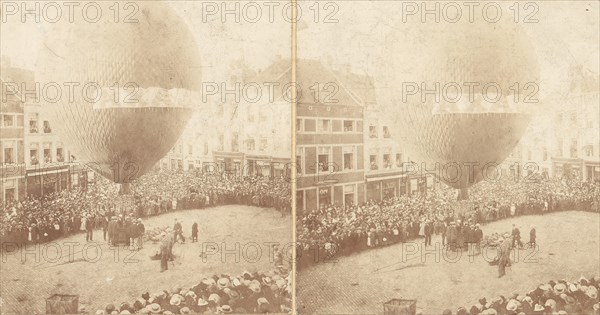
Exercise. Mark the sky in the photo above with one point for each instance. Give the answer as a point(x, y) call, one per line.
point(566, 33)
point(221, 42)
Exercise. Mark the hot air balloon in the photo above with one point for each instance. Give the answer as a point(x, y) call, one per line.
point(128, 87)
point(464, 133)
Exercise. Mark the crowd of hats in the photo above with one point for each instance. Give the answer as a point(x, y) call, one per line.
point(555, 297)
point(258, 292)
point(61, 213)
point(345, 230)
point(164, 190)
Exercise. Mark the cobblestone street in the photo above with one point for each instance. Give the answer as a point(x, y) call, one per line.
point(238, 233)
point(362, 283)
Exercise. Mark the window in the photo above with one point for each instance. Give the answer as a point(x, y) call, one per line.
point(544, 154)
point(386, 132)
point(47, 156)
point(573, 150)
point(324, 125)
point(33, 126)
point(299, 164)
point(323, 158)
point(34, 157)
point(9, 194)
point(373, 162)
point(234, 143)
point(559, 147)
point(190, 149)
point(348, 158)
point(250, 145)
point(8, 120)
point(221, 142)
point(387, 163)
point(9, 155)
point(264, 143)
point(299, 125)
point(348, 125)
point(398, 159)
point(310, 125)
point(589, 150)
point(372, 131)
point(59, 155)
point(47, 128)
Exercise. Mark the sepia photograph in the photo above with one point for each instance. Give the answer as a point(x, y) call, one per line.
point(146, 150)
point(451, 163)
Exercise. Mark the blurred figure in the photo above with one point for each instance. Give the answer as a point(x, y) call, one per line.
point(164, 252)
point(194, 232)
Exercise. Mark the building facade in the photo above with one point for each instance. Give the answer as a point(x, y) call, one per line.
point(329, 137)
point(237, 133)
point(12, 147)
point(35, 162)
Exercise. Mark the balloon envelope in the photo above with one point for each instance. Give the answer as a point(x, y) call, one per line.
point(465, 132)
point(131, 87)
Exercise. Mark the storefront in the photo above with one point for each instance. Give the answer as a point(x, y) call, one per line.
point(41, 182)
point(592, 171)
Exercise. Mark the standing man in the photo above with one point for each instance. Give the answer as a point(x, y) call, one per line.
point(532, 236)
point(428, 231)
point(104, 224)
point(477, 238)
point(178, 232)
point(516, 236)
point(504, 257)
point(194, 232)
point(164, 252)
point(443, 230)
point(141, 229)
point(89, 228)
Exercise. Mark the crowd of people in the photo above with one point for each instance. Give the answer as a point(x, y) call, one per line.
point(334, 230)
point(555, 297)
point(248, 293)
point(94, 206)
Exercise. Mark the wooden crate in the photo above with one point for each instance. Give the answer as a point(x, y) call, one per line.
point(400, 307)
point(62, 304)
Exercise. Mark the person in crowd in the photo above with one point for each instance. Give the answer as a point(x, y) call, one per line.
point(532, 236)
point(194, 232)
point(141, 229)
point(104, 224)
point(178, 232)
point(516, 236)
point(428, 230)
point(89, 228)
point(165, 247)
